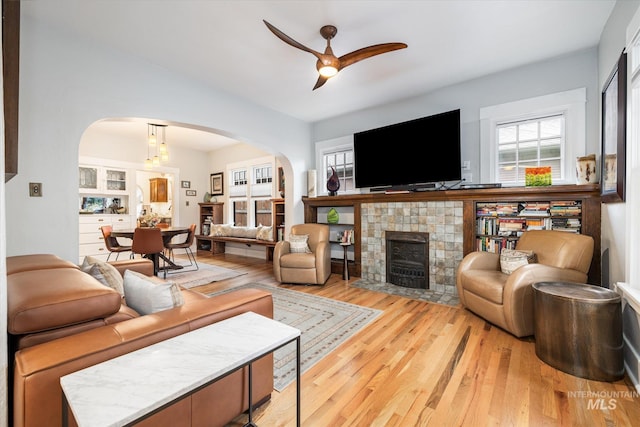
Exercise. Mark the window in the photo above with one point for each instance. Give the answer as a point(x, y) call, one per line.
point(239, 177)
point(250, 192)
point(547, 130)
point(240, 213)
point(529, 143)
point(262, 175)
point(342, 162)
point(262, 211)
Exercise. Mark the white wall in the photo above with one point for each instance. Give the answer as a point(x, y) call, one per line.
point(614, 233)
point(67, 84)
point(579, 69)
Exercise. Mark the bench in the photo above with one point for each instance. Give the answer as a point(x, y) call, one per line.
point(217, 244)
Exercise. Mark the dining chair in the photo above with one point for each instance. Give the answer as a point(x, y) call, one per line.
point(162, 225)
point(186, 245)
point(112, 244)
point(148, 242)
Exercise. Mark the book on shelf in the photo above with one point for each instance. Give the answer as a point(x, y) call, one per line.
point(507, 209)
point(513, 224)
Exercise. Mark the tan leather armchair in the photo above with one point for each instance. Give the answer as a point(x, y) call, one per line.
point(506, 300)
point(304, 268)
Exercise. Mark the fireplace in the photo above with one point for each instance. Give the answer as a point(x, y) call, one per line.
point(407, 258)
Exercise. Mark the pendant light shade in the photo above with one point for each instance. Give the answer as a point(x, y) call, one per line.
point(157, 147)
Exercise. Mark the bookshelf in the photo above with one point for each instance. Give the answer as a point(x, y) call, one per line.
point(210, 213)
point(500, 224)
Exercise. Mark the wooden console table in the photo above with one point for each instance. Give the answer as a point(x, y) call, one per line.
point(154, 377)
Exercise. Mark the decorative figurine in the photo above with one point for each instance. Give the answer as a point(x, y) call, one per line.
point(333, 183)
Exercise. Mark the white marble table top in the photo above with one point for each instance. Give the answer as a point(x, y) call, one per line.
point(123, 389)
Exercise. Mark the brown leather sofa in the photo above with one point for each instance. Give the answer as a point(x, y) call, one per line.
point(304, 268)
point(86, 323)
point(506, 300)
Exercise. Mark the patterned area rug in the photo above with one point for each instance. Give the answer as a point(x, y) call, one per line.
point(419, 294)
point(206, 273)
point(325, 324)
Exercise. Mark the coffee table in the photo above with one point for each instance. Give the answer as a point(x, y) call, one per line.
point(154, 377)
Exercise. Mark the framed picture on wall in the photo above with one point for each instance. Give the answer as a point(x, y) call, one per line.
point(185, 184)
point(614, 123)
point(217, 188)
point(191, 192)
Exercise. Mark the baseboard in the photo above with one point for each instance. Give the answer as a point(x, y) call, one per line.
point(631, 331)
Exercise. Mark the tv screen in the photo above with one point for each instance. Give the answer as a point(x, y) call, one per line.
point(420, 151)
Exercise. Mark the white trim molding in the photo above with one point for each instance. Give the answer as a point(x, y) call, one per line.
point(572, 103)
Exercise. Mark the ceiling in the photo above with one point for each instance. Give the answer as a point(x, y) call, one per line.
point(225, 44)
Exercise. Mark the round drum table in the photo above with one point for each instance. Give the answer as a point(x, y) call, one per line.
point(578, 329)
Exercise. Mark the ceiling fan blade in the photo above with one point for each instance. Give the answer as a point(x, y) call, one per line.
point(368, 52)
point(285, 38)
point(321, 80)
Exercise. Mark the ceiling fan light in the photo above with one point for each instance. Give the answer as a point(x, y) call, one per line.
point(328, 71)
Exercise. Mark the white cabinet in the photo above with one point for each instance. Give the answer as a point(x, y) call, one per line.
point(90, 235)
point(106, 180)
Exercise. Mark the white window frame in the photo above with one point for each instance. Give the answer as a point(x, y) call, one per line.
point(251, 191)
point(518, 142)
point(325, 148)
point(572, 104)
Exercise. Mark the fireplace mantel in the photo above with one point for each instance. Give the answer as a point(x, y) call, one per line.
point(589, 195)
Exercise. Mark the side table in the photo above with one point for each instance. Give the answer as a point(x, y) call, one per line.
point(345, 268)
point(578, 329)
point(155, 377)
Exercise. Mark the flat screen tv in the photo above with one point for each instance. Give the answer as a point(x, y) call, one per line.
point(408, 154)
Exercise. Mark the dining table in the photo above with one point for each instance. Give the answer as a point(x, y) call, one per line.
point(167, 233)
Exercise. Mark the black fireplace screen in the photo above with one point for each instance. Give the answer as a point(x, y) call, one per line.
point(407, 259)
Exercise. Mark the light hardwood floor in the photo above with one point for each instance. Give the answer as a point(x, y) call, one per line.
point(425, 364)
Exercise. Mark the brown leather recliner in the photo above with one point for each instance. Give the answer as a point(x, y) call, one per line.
point(304, 268)
point(506, 300)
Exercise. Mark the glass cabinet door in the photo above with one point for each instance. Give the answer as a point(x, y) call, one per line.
point(116, 180)
point(88, 178)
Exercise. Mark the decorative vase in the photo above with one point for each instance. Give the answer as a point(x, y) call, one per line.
point(586, 170)
point(333, 183)
point(207, 197)
point(332, 216)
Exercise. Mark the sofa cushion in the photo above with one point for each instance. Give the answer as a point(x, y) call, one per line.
point(148, 295)
point(511, 259)
point(39, 300)
point(244, 232)
point(220, 229)
point(299, 243)
point(18, 263)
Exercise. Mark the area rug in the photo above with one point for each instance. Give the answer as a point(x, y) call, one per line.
point(206, 273)
point(325, 324)
point(428, 295)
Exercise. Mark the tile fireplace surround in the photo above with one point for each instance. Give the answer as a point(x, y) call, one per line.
point(441, 219)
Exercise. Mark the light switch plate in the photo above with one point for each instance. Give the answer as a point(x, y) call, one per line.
point(35, 189)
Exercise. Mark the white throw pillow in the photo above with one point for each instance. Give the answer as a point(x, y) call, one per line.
point(265, 233)
point(220, 229)
point(299, 243)
point(511, 259)
point(148, 295)
point(104, 272)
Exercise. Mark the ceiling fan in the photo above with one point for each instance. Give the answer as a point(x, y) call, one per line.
point(328, 64)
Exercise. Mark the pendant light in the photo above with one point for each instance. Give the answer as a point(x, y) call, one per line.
point(160, 150)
